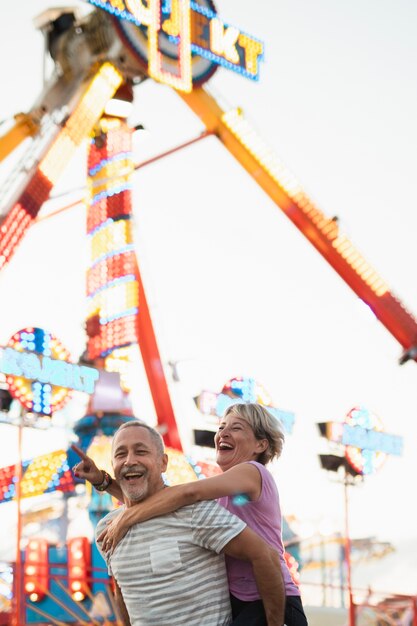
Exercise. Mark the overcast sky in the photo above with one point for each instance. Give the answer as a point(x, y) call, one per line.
point(234, 288)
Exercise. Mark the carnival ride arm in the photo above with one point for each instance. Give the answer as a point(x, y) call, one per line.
point(248, 546)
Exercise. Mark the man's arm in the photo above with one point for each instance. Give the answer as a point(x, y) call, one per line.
point(120, 604)
point(248, 546)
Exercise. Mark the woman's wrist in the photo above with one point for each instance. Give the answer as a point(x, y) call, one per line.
point(105, 482)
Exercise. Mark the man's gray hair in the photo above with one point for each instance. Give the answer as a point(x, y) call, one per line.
point(156, 437)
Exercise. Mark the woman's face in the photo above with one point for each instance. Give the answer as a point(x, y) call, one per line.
point(236, 443)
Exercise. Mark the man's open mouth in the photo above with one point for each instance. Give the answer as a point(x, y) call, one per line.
point(132, 475)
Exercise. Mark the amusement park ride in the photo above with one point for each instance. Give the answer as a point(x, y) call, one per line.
point(100, 60)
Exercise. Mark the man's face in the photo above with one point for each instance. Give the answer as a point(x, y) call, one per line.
point(137, 464)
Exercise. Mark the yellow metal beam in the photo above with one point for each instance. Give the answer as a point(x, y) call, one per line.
point(25, 126)
point(86, 109)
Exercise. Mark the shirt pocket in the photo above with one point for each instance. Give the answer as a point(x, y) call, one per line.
point(165, 556)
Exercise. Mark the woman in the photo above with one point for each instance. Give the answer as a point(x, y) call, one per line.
point(248, 438)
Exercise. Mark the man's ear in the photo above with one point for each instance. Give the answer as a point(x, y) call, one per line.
point(164, 462)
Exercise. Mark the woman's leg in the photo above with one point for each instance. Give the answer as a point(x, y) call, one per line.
point(253, 614)
point(294, 612)
point(247, 613)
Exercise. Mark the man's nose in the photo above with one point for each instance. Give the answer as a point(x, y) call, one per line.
point(130, 458)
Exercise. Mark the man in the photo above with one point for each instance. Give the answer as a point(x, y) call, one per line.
point(170, 570)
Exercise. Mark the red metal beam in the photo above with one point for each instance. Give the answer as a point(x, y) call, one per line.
point(155, 373)
point(258, 160)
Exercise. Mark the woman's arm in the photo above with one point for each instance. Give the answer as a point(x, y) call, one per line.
point(242, 479)
point(266, 569)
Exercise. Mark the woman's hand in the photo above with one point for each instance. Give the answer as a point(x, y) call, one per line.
point(86, 468)
point(114, 532)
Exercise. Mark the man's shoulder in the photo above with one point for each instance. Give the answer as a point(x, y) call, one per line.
point(106, 519)
point(204, 507)
point(208, 505)
point(204, 513)
point(210, 511)
point(213, 526)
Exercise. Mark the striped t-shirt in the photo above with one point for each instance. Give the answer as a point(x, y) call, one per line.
point(169, 568)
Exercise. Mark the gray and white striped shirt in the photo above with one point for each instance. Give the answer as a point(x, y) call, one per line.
point(169, 568)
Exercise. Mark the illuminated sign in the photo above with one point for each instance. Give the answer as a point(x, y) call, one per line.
point(37, 374)
point(36, 580)
point(364, 438)
point(372, 440)
point(47, 370)
point(242, 389)
point(182, 42)
point(366, 444)
point(363, 459)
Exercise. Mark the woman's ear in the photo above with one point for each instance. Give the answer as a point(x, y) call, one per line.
point(263, 445)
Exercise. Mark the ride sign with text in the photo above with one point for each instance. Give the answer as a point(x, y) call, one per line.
point(182, 42)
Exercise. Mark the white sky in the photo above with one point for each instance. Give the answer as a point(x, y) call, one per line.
point(234, 288)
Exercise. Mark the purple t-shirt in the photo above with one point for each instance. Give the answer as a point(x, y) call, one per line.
point(264, 517)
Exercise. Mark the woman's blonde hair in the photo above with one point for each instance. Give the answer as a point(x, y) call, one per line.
point(264, 426)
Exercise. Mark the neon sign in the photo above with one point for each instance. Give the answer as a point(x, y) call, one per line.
point(372, 440)
point(47, 370)
point(181, 42)
point(364, 438)
point(366, 443)
point(362, 459)
point(242, 389)
point(38, 374)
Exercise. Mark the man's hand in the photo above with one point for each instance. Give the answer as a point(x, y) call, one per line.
point(86, 468)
